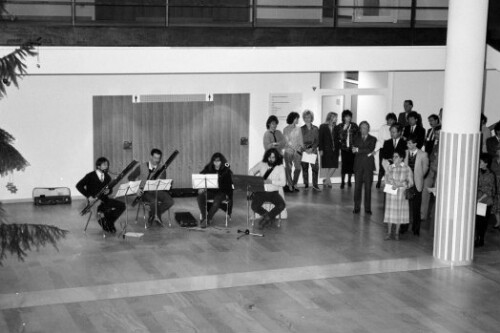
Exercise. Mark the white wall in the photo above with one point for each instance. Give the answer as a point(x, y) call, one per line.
point(492, 97)
point(51, 116)
point(425, 89)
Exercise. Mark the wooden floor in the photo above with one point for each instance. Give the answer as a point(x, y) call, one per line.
point(323, 270)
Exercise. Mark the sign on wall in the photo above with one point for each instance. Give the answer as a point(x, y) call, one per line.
point(281, 105)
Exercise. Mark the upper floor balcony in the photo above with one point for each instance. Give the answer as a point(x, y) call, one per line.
point(225, 22)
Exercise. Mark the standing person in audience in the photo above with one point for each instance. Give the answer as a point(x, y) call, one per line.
point(328, 147)
point(495, 168)
point(293, 151)
point(418, 162)
point(395, 143)
point(397, 212)
point(273, 138)
point(347, 130)
point(485, 194)
point(430, 137)
point(403, 116)
point(430, 178)
point(310, 137)
point(272, 170)
point(364, 166)
point(384, 134)
point(485, 133)
point(493, 142)
point(218, 165)
point(414, 129)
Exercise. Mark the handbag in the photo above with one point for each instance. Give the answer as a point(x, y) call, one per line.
point(410, 193)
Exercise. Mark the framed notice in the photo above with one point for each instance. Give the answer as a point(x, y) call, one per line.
point(281, 105)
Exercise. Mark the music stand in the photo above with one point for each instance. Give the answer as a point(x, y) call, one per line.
point(123, 191)
point(249, 184)
point(204, 182)
point(158, 185)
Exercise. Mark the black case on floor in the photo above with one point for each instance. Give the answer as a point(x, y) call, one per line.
point(51, 196)
point(186, 219)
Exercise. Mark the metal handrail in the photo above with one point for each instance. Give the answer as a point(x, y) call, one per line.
point(253, 6)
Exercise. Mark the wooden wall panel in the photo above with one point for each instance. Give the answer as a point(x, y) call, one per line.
point(112, 126)
point(196, 129)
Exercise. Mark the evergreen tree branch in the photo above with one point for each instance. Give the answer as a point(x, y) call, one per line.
point(13, 67)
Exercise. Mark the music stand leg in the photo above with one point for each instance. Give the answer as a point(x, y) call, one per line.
point(247, 232)
point(124, 228)
point(88, 220)
point(157, 218)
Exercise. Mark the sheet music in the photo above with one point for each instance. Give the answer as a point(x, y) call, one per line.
point(198, 181)
point(309, 158)
point(158, 185)
point(128, 189)
point(388, 189)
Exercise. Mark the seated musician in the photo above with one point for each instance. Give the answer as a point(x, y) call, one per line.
point(272, 170)
point(91, 185)
point(143, 173)
point(218, 165)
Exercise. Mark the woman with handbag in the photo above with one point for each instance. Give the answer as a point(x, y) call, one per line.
point(485, 195)
point(397, 211)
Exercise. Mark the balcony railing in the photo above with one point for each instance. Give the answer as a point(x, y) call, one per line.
point(232, 13)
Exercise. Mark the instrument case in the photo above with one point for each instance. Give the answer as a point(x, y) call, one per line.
point(51, 196)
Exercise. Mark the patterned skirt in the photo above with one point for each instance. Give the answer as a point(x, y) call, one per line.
point(397, 208)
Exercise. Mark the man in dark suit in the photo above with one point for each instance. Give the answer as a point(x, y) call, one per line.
point(414, 129)
point(90, 185)
point(364, 166)
point(403, 116)
point(396, 143)
point(430, 136)
point(143, 173)
point(493, 142)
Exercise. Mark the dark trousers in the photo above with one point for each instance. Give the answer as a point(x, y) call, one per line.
point(363, 178)
point(381, 170)
point(164, 203)
point(112, 209)
point(217, 198)
point(259, 198)
point(305, 172)
point(415, 219)
point(481, 226)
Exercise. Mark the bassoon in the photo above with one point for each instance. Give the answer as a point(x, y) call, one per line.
point(156, 175)
point(108, 186)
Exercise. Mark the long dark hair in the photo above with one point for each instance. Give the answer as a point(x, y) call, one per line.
point(217, 156)
point(277, 155)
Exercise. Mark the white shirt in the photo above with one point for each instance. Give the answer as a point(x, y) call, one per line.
point(277, 177)
point(100, 175)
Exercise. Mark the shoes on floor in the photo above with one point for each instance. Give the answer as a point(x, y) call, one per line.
point(356, 211)
point(369, 212)
point(378, 185)
point(316, 188)
point(295, 189)
point(349, 184)
point(342, 186)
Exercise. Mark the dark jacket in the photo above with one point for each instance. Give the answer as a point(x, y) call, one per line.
point(419, 133)
point(388, 148)
point(90, 185)
point(327, 140)
point(491, 145)
point(342, 135)
point(365, 147)
point(225, 178)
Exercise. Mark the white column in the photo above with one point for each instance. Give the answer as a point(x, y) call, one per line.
point(459, 145)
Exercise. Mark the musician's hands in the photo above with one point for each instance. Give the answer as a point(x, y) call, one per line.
point(309, 150)
point(140, 192)
point(201, 191)
point(268, 181)
point(106, 191)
